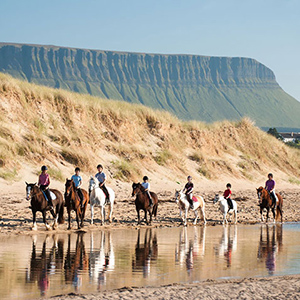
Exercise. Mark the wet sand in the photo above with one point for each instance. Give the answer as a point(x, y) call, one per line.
point(16, 218)
point(281, 287)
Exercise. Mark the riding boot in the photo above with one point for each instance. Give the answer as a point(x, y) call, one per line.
point(150, 199)
point(48, 195)
point(105, 191)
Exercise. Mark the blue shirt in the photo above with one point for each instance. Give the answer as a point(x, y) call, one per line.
point(146, 185)
point(77, 180)
point(100, 176)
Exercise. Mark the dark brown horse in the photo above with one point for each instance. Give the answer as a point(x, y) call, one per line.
point(142, 202)
point(73, 202)
point(39, 203)
point(266, 202)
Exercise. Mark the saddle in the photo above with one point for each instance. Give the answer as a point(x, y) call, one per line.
point(195, 199)
point(53, 196)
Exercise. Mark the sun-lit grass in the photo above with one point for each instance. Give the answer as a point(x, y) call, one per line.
point(40, 123)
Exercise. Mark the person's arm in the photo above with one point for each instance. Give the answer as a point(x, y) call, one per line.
point(48, 179)
point(190, 189)
point(104, 180)
point(80, 182)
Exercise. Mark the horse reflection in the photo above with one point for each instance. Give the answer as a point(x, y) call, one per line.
point(145, 253)
point(268, 247)
point(44, 264)
point(228, 244)
point(75, 261)
point(187, 249)
point(101, 258)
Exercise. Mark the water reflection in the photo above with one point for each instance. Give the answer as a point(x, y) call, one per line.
point(228, 244)
point(43, 265)
point(145, 253)
point(101, 258)
point(190, 248)
point(269, 246)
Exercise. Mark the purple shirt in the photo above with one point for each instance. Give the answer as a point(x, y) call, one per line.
point(44, 179)
point(270, 184)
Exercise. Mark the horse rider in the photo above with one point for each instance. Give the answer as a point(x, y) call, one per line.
point(146, 186)
point(188, 190)
point(227, 195)
point(78, 182)
point(102, 179)
point(43, 183)
point(270, 187)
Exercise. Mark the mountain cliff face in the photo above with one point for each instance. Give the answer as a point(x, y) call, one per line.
point(192, 87)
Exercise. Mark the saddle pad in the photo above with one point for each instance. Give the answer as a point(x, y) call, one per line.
point(53, 197)
point(195, 199)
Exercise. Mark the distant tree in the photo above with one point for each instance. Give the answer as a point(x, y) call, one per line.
point(274, 132)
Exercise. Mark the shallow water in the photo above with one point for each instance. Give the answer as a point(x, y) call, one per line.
point(31, 266)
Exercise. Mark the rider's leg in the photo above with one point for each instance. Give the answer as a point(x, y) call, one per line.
point(230, 205)
point(150, 198)
point(189, 198)
point(104, 189)
point(273, 195)
point(79, 191)
point(48, 196)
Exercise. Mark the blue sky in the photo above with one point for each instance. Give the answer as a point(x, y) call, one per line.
point(267, 30)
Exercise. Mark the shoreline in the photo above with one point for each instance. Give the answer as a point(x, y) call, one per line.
point(274, 287)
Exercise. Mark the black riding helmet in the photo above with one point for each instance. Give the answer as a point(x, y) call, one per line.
point(145, 178)
point(99, 166)
point(189, 177)
point(228, 185)
point(270, 174)
point(44, 168)
point(77, 169)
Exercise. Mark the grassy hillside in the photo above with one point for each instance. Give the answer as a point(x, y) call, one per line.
point(40, 125)
point(189, 86)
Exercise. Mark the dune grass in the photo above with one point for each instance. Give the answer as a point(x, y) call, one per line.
point(41, 124)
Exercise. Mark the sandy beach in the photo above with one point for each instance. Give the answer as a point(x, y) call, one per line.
point(282, 287)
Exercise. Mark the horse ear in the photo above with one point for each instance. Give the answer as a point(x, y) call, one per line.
point(26, 183)
point(35, 183)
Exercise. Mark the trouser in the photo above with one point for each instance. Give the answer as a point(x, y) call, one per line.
point(229, 202)
point(190, 199)
point(80, 195)
point(105, 191)
point(150, 198)
point(273, 197)
point(47, 194)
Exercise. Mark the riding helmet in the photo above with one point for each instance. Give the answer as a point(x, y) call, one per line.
point(77, 169)
point(99, 166)
point(228, 185)
point(145, 178)
point(44, 168)
point(270, 174)
point(189, 177)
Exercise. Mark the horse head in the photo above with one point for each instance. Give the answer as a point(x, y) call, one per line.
point(29, 189)
point(135, 188)
point(260, 193)
point(93, 183)
point(177, 195)
point(216, 199)
point(69, 185)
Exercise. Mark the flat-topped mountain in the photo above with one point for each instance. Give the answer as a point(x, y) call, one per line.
point(189, 86)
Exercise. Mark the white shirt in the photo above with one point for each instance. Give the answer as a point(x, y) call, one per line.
point(146, 185)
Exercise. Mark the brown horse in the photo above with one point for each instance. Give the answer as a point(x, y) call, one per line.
point(39, 203)
point(142, 202)
point(73, 202)
point(266, 202)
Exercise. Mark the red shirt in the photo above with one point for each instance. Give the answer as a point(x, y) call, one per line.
point(227, 193)
point(44, 179)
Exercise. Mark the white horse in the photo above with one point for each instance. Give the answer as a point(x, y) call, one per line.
point(97, 198)
point(185, 206)
point(224, 207)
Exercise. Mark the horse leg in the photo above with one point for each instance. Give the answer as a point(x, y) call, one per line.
point(224, 218)
point(69, 219)
point(196, 216)
point(138, 213)
point(203, 214)
point(92, 213)
point(111, 206)
point(279, 210)
point(83, 214)
point(273, 211)
point(45, 221)
point(235, 216)
point(185, 217)
point(77, 218)
point(261, 214)
point(55, 216)
point(102, 215)
point(34, 227)
point(146, 217)
point(150, 213)
point(268, 209)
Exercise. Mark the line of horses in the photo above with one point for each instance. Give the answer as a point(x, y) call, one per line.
point(97, 198)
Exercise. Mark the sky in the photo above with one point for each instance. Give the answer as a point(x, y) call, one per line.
point(266, 30)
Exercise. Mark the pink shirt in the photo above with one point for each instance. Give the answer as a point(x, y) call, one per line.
point(44, 179)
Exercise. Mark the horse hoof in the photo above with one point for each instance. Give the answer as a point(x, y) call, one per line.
point(109, 220)
point(48, 228)
point(69, 228)
point(34, 228)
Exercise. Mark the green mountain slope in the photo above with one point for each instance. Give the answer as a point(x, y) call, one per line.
point(192, 87)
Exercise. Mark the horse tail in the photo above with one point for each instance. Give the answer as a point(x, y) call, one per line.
point(278, 212)
point(61, 218)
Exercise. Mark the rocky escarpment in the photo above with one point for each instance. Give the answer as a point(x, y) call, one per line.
point(192, 87)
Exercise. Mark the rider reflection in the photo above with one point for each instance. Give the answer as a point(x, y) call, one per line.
point(101, 259)
point(42, 265)
point(146, 253)
point(76, 262)
point(268, 247)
